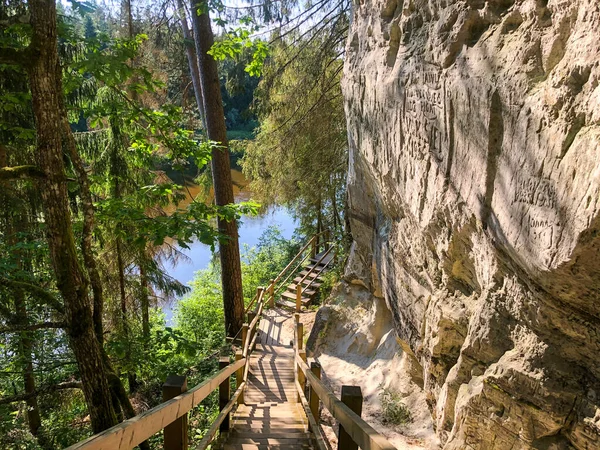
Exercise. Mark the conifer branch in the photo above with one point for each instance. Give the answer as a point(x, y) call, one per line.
point(40, 391)
point(39, 292)
point(32, 327)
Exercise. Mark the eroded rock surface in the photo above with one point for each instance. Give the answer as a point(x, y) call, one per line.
point(474, 185)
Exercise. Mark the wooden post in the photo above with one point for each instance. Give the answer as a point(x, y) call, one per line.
point(313, 247)
point(300, 334)
point(315, 368)
point(251, 316)
point(224, 394)
point(239, 377)
point(244, 334)
point(297, 318)
point(272, 294)
point(352, 397)
point(176, 433)
point(301, 376)
point(298, 297)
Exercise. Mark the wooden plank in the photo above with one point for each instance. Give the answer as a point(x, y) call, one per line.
point(361, 432)
point(130, 433)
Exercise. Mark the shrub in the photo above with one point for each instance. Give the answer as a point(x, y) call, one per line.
point(394, 411)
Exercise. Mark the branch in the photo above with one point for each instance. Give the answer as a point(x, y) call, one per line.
point(37, 291)
point(40, 391)
point(21, 172)
point(32, 327)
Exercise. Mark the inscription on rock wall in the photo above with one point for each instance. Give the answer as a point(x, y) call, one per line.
point(535, 191)
point(541, 221)
point(423, 118)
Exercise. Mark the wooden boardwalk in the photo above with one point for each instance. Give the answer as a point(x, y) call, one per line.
point(271, 416)
point(270, 407)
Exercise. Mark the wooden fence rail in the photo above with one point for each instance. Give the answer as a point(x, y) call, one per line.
point(363, 434)
point(132, 432)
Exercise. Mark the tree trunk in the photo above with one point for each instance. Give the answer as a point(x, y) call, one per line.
point(145, 303)
point(34, 420)
point(88, 226)
point(319, 223)
point(229, 251)
point(131, 378)
point(44, 78)
point(192, 59)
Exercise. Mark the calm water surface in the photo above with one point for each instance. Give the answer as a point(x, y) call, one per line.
point(250, 230)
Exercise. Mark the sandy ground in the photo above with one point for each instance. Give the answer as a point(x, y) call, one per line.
point(359, 348)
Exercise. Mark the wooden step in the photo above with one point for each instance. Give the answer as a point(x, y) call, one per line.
point(314, 284)
point(228, 446)
point(307, 292)
point(267, 440)
point(290, 433)
point(288, 304)
point(291, 296)
point(312, 274)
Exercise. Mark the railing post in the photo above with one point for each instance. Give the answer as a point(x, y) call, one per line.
point(300, 334)
point(224, 394)
point(176, 433)
point(298, 297)
point(301, 376)
point(251, 316)
point(351, 397)
point(272, 294)
point(313, 247)
point(315, 368)
point(239, 377)
point(244, 335)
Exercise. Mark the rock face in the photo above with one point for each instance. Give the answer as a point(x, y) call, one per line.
point(474, 189)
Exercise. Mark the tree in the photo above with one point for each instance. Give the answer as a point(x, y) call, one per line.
point(45, 80)
point(299, 156)
point(229, 251)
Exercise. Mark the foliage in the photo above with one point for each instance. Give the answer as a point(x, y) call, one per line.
point(299, 155)
point(394, 411)
point(264, 262)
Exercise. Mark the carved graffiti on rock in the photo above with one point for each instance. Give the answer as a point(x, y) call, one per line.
point(424, 113)
point(535, 191)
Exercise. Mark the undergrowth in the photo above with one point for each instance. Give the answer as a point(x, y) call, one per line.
point(394, 411)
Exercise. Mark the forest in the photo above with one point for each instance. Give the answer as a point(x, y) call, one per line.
point(109, 111)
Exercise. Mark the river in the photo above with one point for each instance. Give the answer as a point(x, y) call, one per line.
point(250, 230)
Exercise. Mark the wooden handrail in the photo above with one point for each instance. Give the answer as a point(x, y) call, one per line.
point(210, 434)
point(313, 268)
point(318, 273)
point(295, 258)
point(136, 430)
point(361, 432)
point(261, 298)
point(132, 432)
point(312, 422)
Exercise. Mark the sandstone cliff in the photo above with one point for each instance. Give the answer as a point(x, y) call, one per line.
point(474, 189)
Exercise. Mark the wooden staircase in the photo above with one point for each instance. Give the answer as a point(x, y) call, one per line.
point(310, 279)
point(270, 417)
